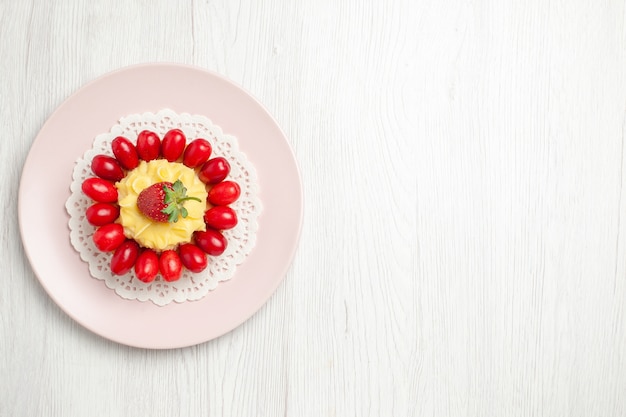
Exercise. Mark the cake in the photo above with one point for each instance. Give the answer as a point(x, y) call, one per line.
point(159, 206)
point(153, 234)
point(196, 252)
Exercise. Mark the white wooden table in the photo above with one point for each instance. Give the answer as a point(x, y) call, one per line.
point(463, 249)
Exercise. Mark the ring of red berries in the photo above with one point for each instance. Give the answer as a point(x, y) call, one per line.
point(160, 202)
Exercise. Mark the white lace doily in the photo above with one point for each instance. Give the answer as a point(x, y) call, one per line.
point(241, 238)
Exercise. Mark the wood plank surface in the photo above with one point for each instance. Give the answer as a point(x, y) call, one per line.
point(463, 247)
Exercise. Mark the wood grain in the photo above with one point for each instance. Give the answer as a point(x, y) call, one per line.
point(463, 249)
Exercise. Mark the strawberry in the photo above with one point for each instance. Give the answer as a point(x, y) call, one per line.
point(163, 201)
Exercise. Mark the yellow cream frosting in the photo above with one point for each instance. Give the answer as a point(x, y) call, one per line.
point(159, 235)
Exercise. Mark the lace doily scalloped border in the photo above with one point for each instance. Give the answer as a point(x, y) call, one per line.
point(241, 239)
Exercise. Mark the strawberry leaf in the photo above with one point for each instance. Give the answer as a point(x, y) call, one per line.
point(174, 198)
point(179, 189)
